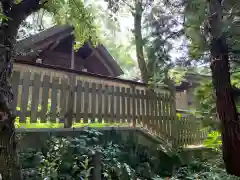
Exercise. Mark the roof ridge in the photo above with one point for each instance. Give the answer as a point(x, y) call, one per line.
point(41, 36)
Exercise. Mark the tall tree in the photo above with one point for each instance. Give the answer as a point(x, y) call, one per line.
point(136, 9)
point(152, 23)
point(211, 27)
point(13, 14)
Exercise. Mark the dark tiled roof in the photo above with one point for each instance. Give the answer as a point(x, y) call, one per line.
point(108, 57)
point(53, 32)
point(42, 40)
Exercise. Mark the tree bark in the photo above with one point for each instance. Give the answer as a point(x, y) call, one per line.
point(15, 14)
point(226, 107)
point(139, 41)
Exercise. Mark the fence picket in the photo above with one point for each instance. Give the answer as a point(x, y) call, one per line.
point(25, 96)
point(100, 103)
point(35, 97)
point(53, 108)
point(106, 104)
point(15, 80)
point(63, 98)
point(79, 102)
point(45, 95)
point(93, 103)
point(156, 124)
point(164, 115)
point(138, 108)
point(118, 105)
point(133, 107)
point(152, 112)
point(129, 118)
point(147, 110)
point(123, 98)
point(112, 105)
point(86, 102)
point(160, 114)
point(143, 109)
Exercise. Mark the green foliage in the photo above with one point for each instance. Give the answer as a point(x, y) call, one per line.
point(75, 13)
point(213, 141)
point(203, 171)
point(71, 158)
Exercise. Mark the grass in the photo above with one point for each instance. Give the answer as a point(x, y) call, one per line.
point(61, 125)
point(49, 124)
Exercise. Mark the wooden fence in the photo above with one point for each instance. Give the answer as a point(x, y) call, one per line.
point(47, 97)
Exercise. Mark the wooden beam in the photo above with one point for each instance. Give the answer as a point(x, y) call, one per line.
point(72, 56)
point(54, 45)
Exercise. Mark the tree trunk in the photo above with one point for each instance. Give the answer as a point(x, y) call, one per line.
point(9, 168)
point(139, 41)
point(15, 14)
point(226, 107)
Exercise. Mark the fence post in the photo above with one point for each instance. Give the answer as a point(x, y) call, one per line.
point(174, 124)
point(70, 105)
point(134, 106)
point(97, 171)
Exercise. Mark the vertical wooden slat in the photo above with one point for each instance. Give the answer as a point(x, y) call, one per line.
point(79, 101)
point(147, 109)
point(143, 115)
point(35, 97)
point(160, 114)
point(190, 130)
point(112, 103)
point(100, 103)
point(185, 131)
point(54, 92)
point(71, 102)
point(15, 80)
point(152, 111)
point(164, 115)
point(25, 96)
point(63, 99)
point(138, 107)
point(133, 106)
point(45, 94)
point(174, 133)
point(123, 97)
point(189, 127)
point(156, 122)
point(117, 104)
point(128, 106)
point(194, 132)
point(106, 104)
point(181, 131)
point(93, 104)
point(86, 102)
point(177, 123)
point(168, 115)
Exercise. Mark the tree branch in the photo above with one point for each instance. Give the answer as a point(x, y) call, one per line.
point(18, 13)
point(128, 5)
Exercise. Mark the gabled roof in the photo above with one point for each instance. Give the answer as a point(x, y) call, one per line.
point(47, 36)
point(34, 45)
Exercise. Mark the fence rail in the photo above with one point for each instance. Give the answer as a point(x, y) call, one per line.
point(47, 96)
